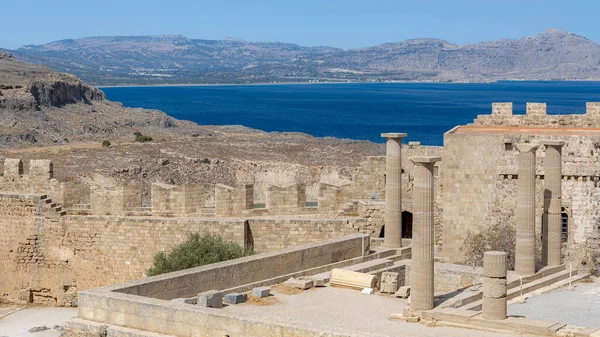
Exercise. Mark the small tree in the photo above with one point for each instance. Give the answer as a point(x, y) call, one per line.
point(499, 237)
point(106, 143)
point(139, 137)
point(198, 251)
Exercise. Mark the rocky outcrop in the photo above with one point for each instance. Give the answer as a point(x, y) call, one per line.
point(40, 106)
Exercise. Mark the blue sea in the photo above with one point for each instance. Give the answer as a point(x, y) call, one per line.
point(356, 111)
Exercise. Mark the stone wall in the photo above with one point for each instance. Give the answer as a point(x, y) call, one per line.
point(480, 175)
point(536, 115)
point(51, 255)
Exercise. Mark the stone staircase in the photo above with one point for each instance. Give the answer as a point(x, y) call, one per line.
point(553, 277)
point(53, 209)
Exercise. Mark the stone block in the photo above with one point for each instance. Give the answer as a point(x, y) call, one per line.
point(588, 332)
point(390, 277)
point(403, 292)
point(235, 298)
point(210, 299)
point(261, 292)
point(388, 288)
point(494, 264)
point(192, 300)
point(298, 283)
point(319, 280)
point(494, 287)
point(25, 296)
point(494, 308)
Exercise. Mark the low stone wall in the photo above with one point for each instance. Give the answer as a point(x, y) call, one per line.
point(235, 273)
point(143, 304)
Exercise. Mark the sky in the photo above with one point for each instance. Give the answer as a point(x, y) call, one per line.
point(337, 23)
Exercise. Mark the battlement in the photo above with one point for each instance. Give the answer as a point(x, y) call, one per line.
point(536, 115)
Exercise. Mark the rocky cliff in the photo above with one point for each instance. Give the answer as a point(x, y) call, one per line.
point(38, 105)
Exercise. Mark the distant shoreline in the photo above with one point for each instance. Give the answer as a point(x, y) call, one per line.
point(317, 83)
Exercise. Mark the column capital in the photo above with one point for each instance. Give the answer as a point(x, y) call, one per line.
point(527, 147)
point(425, 159)
point(550, 142)
point(393, 135)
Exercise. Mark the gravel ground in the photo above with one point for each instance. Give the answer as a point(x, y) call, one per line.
point(19, 323)
point(347, 311)
point(580, 306)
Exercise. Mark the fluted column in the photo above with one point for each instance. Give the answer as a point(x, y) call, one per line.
point(525, 245)
point(494, 286)
point(422, 238)
point(393, 190)
point(551, 226)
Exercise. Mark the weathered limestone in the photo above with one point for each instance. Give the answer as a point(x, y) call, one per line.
point(232, 201)
point(502, 109)
point(592, 109)
point(393, 190)
point(423, 239)
point(389, 282)
point(525, 246)
point(536, 109)
point(235, 298)
point(261, 292)
point(551, 226)
point(177, 200)
point(210, 299)
point(494, 286)
point(13, 168)
point(302, 284)
point(285, 200)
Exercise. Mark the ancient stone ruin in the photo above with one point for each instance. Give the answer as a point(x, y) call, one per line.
point(398, 228)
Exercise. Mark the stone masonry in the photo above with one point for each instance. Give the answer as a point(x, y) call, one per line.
point(525, 245)
point(393, 190)
point(422, 282)
point(552, 226)
point(494, 286)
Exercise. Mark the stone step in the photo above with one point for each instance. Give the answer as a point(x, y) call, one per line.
point(515, 291)
point(576, 278)
point(367, 267)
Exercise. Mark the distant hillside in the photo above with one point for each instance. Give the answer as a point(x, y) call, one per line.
point(553, 54)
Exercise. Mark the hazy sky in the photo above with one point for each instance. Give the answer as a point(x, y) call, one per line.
point(338, 23)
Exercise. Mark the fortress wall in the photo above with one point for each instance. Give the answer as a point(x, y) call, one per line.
point(285, 200)
point(232, 201)
point(536, 115)
point(480, 181)
point(50, 257)
point(469, 178)
point(273, 234)
point(38, 180)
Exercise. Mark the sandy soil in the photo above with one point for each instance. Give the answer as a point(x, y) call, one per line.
point(19, 323)
point(579, 306)
point(347, 311)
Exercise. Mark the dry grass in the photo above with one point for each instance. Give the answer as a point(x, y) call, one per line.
point(266, 301)
point(282, 289)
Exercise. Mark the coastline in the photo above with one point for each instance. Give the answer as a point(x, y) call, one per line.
point(323, 82)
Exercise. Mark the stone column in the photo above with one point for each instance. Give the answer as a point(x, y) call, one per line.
point(525, 246)
point(551, 226)
point(494, 286)
point(422, 241)
point(393, 190)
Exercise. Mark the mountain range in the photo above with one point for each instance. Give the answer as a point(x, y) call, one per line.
point(552, 55)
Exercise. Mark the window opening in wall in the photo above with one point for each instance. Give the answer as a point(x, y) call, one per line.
point(407, 225)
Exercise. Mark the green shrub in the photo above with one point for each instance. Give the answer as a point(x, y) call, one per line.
point(197, 251)
point(501, 237)
point(139, 137)
point(106, 143)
